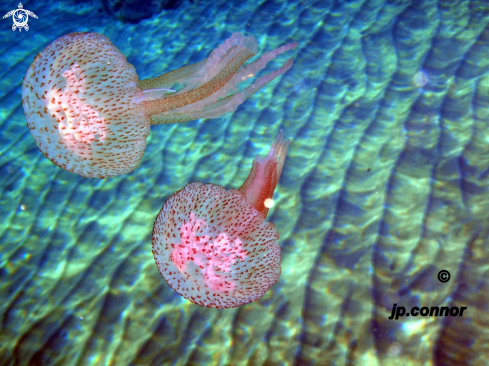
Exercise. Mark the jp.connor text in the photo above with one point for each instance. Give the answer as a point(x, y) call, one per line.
point(426, 311)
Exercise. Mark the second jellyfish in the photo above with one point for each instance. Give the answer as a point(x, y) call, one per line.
point(213, 246)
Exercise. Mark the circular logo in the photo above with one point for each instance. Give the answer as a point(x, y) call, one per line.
point(444, 276)
point(20, 18)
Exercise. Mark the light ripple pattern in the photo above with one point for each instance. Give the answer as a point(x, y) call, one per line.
point(386, 183)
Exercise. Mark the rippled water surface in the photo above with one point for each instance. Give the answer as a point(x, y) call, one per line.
point(385, 184)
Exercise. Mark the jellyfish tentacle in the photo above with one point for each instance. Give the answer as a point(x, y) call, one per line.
point(226, 104)
point(219, 102)
point(153, 107)
point(168, 79)
point(200, 73)
point(161, 119)
point(264, 175)
point(264, 80)
point(165, 118)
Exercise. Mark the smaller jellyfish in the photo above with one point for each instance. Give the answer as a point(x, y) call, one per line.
point(213, 246)
point(420, 79)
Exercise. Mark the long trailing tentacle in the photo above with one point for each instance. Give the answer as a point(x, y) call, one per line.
point(160, 119)
point(165, 118)
point(219, 102)
point(167, 80)
point(196, 75)
point(176, 101)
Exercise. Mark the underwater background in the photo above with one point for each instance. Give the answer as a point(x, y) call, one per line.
point(385, 184)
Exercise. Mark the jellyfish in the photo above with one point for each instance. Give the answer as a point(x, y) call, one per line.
point(213, 245)
point(90, 114)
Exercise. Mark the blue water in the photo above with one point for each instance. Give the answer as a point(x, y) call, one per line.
point(385, 184)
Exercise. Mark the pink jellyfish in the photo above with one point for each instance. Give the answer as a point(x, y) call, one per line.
point(213, 246)
point(90, 114)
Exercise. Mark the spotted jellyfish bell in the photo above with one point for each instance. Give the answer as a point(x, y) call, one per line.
point(213, 246)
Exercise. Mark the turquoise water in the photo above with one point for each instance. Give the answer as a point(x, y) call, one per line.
point(385, 184)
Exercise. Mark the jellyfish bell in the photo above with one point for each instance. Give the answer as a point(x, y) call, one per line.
point(90, 114)
point(80, 101)
point(213, 246)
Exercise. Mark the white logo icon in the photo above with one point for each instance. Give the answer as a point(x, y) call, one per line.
point(20, 17)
